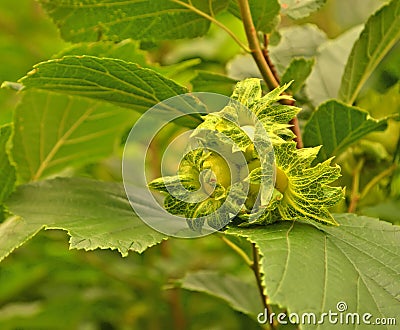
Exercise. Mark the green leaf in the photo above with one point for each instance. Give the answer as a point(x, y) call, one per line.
point(55, 131)
point(265, 14)
point(336, 126)
point(206, 81)
point(380, 106)
point(298, 70)
point(389, 210)
point(296, 41)
point(141, 20)
point(380, 34)
point(297, 9)
point(127, 50)
point(240, 295)
point(95, 214)
point(7, 171)
point(181, 72)
point(122, 83)
point(14, 232)
point(357, 262)
point(325, 78)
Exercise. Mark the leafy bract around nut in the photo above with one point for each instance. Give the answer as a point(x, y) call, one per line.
point(206, 181)
point(301, 191)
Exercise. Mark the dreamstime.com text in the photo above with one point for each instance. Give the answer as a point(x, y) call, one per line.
point(339, 317)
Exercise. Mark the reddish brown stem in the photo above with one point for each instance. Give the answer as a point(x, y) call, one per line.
point(294, 122)
point(263, 61)
point(268, 58)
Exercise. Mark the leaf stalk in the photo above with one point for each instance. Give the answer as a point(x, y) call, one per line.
point(257, 273)
point(239, 251)
point(355, 187)
point(255, 267)
point(377, 179)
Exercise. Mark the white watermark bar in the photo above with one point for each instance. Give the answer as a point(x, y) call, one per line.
point(339, 317)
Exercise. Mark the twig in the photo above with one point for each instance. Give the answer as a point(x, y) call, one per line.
point(255, 267)
point(268, 58)
point(174, 295)
point(264, 63)
point(296, 130)
point(257, 273)
point(355, 193)
point(177, 310)
point(239, 251)
point(377, 179)
point(254, 45)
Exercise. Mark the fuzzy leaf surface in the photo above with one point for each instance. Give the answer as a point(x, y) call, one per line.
point(55, 131)
point(122, 83)
point(116, 20)
point(97, 215)
point(357, 262)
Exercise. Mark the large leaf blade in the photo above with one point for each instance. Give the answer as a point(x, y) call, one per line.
point(357, 263)
point(142, 20)
point(122, 83)
point(336, 126)
point(380, 34)
point(95, 214)
point(55, 131)
point(112, 80)
point(324, 81)
point(129, 50)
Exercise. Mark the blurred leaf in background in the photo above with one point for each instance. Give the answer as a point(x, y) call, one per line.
point(27, 36)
